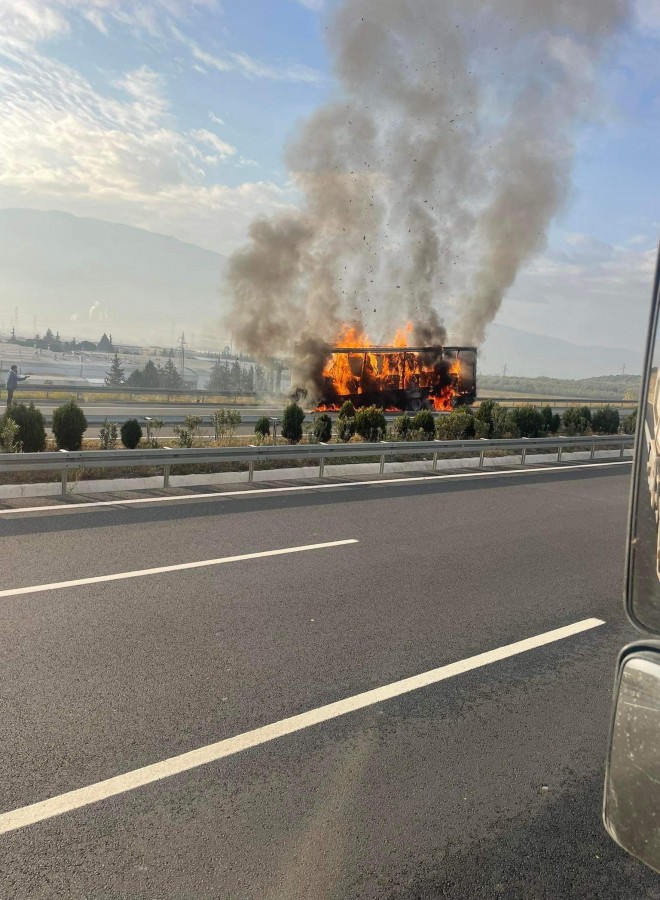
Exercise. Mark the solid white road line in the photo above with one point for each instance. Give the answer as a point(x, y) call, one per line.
point(68, 507)
point(180, 567)
point(120, 784)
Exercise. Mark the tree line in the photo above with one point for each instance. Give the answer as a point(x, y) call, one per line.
point(52, 341)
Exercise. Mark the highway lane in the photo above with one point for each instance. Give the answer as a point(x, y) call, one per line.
point(475, 787)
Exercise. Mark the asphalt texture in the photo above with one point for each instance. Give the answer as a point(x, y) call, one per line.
point(485, 785)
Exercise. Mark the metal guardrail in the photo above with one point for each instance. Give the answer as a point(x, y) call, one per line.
point(65, 462)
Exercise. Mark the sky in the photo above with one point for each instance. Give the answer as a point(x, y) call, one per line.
point(174, 115)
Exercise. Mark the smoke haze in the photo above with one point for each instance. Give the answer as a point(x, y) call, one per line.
point(430, 178)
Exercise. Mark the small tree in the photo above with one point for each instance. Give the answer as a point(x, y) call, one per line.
point(31, 426)
point(606, 421)
point(347, 411)
point(262, 427)
point(219, 377)
point(190, 431)
point(485, 414)
point(577, 420)
point(455, 426)
point(108, 435)
point(528, 420)
point(370, 424)
point(225, 424)
point(69, 425)
point(629, 425)
point(105, 344)
point(115, 377)
point(345, 429)
point(402, 427)
point(551, 421)
point(424, 422)
point(131, 434)
point(10, 436)
point(292, 423)
point(171, 377)
point(322, 429)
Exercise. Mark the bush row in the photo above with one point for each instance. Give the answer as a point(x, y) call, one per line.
point(490, 420)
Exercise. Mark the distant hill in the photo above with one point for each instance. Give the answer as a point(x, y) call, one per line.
point(535, 355)
point(82, 277)
point(85, 276)
point(604, 387)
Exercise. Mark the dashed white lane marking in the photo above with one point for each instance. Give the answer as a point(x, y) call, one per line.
point(219, 495)
point(160, 570)
point(129, 781)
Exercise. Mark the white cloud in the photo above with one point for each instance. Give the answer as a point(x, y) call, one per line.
point(216, 119)
point(222, 149)
point(589, 293)
point(120, 156)
point(315, 5)
point(247, 65)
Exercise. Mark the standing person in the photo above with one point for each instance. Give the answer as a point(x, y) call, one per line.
point(12, 380)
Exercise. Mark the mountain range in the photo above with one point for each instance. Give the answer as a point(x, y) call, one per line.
point(83, 276)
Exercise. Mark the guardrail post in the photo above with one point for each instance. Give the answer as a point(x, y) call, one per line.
point(322, 467)
point(523, 456)
point(166, 476)
point(435, 462)
point(65, 477)
point(382, 465)
point(593, 450)
point(251, 471)
point(623, 449)
point(560, 450)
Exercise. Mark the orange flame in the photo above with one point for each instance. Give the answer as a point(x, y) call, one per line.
point(389, 379)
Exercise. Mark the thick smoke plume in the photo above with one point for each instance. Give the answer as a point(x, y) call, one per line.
point(430, 178)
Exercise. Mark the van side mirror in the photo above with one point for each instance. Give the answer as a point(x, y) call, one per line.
point(631, 809)
point(642, 588)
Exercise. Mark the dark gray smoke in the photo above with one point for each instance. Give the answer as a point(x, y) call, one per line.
point(430, 178)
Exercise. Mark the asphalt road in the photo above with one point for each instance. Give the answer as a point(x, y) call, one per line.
point(483, 785)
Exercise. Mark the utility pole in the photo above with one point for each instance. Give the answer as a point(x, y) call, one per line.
point(182, 346)
point(504, 371)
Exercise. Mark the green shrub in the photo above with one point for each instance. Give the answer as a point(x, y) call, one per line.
point(185, 437)
point(551, 421)
point(605, 421)
point(108, 435)
point(347, 411)
point(69, 425)
point(322, 429)
point(31, 427)
point(528, 421)
point(292, 423)
point(481, 428)
point(9, 436)
point(402, 427)
point(262, 427)
point(485, 414)
point(629, 425)
point(345, 428)
point(131, 434)
point(457, 425)
point(226, 423)
point(424, 421)
point(370, 424)
point(577, 420)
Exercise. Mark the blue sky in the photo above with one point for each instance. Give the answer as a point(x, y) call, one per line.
point(172, 115)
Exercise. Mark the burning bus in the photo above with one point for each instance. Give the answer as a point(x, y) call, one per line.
point(400, 378)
